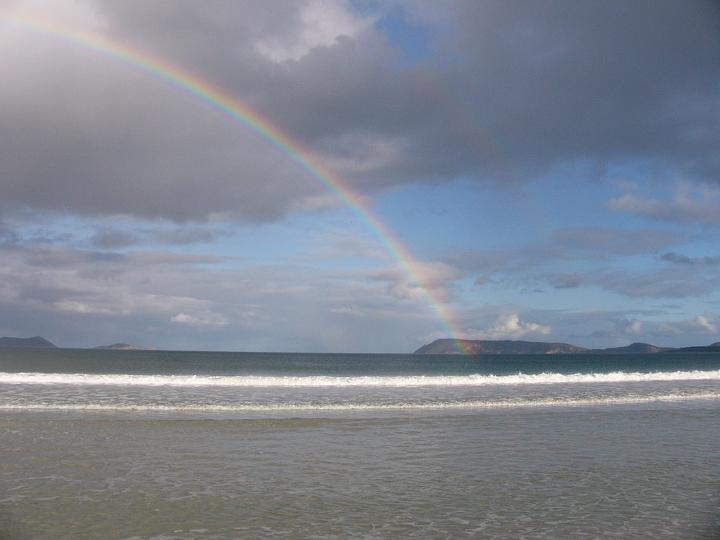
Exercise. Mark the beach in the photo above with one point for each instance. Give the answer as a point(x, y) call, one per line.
point(300, 448)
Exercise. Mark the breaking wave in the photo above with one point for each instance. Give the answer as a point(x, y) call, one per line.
point(429, 405)
point(399, 381)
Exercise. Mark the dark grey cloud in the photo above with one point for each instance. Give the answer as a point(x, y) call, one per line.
point(513, 89)
point(60, 257)
point(510, 89)
point(614, 241)
point(109, 238)
point(108, 139)
point(566, 281)
point(598, 258)
point(482, 280)
point(106, 145)
point(561, 81)
point(674, 282)
point(8, 234)
point(679, 281)
point(569, 245)
point(664, 283)
point(184, 236)
point(678, 258)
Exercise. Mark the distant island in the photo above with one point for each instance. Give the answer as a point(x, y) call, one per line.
point(36, 342)
point(439, 346)
point(39, 342)
point(476, 346)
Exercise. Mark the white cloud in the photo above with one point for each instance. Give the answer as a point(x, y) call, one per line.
point(482, 280)
point(200, 319)
point(634, 327)
point(510, 326)
point(428, 277)
point(363, 152)
point(702, 323)
point(82, 307)
point(347, 310)
point(690, 331)
point(322, 22)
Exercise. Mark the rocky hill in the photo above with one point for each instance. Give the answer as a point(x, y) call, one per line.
point(634, 348)
point(474, 346)
point(36, 342)
point(715, 347)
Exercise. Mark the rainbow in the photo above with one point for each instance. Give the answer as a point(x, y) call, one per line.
point(185, 81)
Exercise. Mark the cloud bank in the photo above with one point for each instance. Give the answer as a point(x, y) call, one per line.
point(528, 88)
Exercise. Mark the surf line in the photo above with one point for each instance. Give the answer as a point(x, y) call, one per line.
point(229, 106)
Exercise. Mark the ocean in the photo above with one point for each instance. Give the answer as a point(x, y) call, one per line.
point(203, 445)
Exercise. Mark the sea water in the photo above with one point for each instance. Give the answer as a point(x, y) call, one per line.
point(153, 444)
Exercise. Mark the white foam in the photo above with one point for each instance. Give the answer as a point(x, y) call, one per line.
point(399, 381)
point(299, 407)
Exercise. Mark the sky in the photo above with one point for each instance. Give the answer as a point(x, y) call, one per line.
point(549, 169)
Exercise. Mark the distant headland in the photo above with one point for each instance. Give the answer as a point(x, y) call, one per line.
point(476, 346)
point(439, 346)
point(38, 342)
